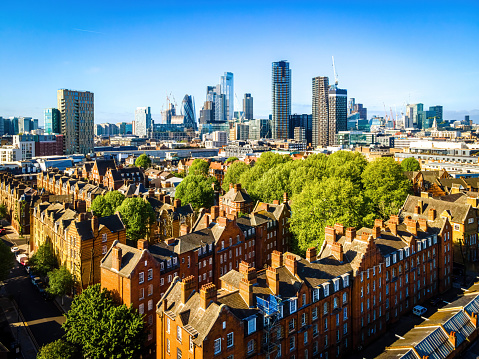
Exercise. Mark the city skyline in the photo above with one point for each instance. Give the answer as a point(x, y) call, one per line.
point(393, 49)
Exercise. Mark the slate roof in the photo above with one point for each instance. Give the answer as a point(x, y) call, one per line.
point(161, 251)
point(193, 240)
point(113, 223)
point(181, 211)
point(103, 165)
point(237, 196)
point(398, 353)
point(129, 260)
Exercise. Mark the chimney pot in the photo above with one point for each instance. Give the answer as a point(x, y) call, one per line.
point(311, 254)
point(350, 234)
point(376, 232)
point(208, 293)
point(276, 259)
point(142, 244)
point(339, 229)
point(272, 277)
point(431, 216)
point(117, 257)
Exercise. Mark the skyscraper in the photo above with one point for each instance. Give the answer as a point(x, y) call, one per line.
point(142, 121)
point(52, 120)
point(188, 110)
point(320, 108)
point(303, 121)
point(77, 120)
point(248, 106)
point(281, 99)
point(338, 113)
point(413, 112)
point(227, 89)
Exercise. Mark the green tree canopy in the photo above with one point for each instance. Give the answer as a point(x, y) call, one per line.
point(231, 159)
point(197, 190)
point(7, 260)
point(137, 215)
point(320, 204)
point(410, 164)
point(233, 174)
point(143, 161)
point(385, 188)
point(60, 282)
point(101, 329)
point(107, 205)
point(43, 260)
point(58, 349)
point(199, 167)
point(3, 211)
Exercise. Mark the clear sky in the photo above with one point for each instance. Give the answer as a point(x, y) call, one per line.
point(132, 53)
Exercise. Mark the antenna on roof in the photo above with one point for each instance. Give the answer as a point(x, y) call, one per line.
point(335, 73)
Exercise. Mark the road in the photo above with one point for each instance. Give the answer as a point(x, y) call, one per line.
point(42, 317)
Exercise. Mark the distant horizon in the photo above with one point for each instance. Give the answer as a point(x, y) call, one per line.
point(386, 54)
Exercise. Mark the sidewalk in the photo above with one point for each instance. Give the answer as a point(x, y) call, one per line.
point(19, 328)
point(67, 303)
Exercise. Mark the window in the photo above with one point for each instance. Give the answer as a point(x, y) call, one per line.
point(229, 340)
point(291, 325)
point(303, 303)
point(104, 249)
point(315, 330)
point(191, 344)
point(141, 308)
point(168, 325)
point(141, 277)
point(150, 289)
point(178, 353)
point(345, 297)
point(305, 337)
point(315, 313)
point(336, 303)
point(325, 323)
point(167, 345)
point(150, 304)
point(162, 281)
point(178, 333)
point(326, 289)
point(150, 274)
point(345, 313)
point(142, 293)
point(292, 343)
point(217, 346)
point(303, 319)
point(250, 347)
point(315, 294)
point(345, 328)
point(251, 325)
point(325, 308)
point(292, 305)
point(104, 237)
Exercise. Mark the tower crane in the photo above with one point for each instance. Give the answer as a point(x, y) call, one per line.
point(335, 73)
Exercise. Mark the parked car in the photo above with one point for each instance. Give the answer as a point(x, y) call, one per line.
point(15, 249)
point(22, 259)
point(2, 231)
point(419, 310)
point(36, 280)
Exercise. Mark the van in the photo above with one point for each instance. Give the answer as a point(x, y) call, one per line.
point(419, 310)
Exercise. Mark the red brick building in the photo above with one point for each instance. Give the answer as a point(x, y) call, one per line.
point(236, 201)
point(51, 146)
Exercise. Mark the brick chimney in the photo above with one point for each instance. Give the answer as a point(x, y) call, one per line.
point(167, 199)
point(94, 226)
point(291, 263)
point(376, 232)
point(151, 192)
point(473, 201)
point(431, 214)
point(215, 212)
point(417, 210)
point(276, 259)
point(379, 223)
point(231, 185)
point(161, 197)
point(177, 203)
point(285, 197)
point(394, 219)
point(425, 195)
point(452, 338)
point(275, 201)
point(171, 241)
point(473, 318)
point(184, 229)
point(329, 234)
point(246, 291)
point(142, 244)
point(272, 277)
point(423, 224)
point(339, 229)
point(221, 220)
point(79, 206)
point(311, 254)
point(66, 205)
point(393, 227)
point(350, 234)
point(208, 294)
point(337, 251)
point(420, 205)
point(187, 286)
point(248, 272)
point(116, 260)
point(411, 226)
point(237, 187)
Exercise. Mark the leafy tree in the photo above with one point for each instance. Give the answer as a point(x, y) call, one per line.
point(137, 215)
point(43, 260)
point(233, 174)
point(7, 260)
point(346, 164)
point(3, 211)
point(58, 349)
point(143, 161)
point(101, 329)
point(333, 200)
point(106, 205)
point(385, 188)
point(410, 164)
point(199, 167)
point(114, 199)
point(197, 190)
point(60, 282)
point(231, 159)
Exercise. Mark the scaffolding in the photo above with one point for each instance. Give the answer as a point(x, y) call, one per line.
point(272, 332)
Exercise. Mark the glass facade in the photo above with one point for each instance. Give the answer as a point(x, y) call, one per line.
point(52, 120)
point(188, 110)
point(281, 99)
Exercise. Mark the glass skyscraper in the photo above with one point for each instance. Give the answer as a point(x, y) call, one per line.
point(227, 89)
point(188, 110)
point(142, 121)
point(52, 120)
point(281, 99)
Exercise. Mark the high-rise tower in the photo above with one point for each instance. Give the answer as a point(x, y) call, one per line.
point(142, 121)
point(227, 89)
point(188, 110)
point(77, 120)
point(52, 119)
point(338, 113)
point(320, 110)
point(281, 99)
point(248, 106)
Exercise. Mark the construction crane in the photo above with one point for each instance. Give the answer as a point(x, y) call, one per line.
point(392, 117)
point(335, 73)
point(385, 112)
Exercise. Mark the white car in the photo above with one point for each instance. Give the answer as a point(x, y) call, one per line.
point(22, 259)
point(14, 249)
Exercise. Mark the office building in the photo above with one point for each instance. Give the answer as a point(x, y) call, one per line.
point(227, 89)
point(436, 112)
point(303, 121)
point(281, 99)
point(77, 120)
point(142, 121)
point(259, 128)
point(189, 112)
point(337, 112)
point(320, 108)
point(248, 106)
point(52, 121)
point(413, 112)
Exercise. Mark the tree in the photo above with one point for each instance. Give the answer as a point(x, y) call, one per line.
point(234, 173)
point(321, 204)
point(410, 164)
point(43, 260)
point(199, 167)
point(138, 215)
point(143, 161)
point(231, 159)
point(197, 190)
point(60, 282)
point(101, 329)
point(100, 207)
point(385, 188)
point(58, 349)
point(7, 260)
point(3, 211)
point(114, 199)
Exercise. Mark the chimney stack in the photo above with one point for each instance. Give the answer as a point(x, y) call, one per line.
point(248, 272)
point(237, 187)
point(311, 254)
point(94, 226)
point(453, 339)
point(231, 185)
point(291, 263)
point(275, 201)
point(411, 226)
point(423, 224)
point(420, 205)
point(394, 219)
point(431, 215)
point(379, 223)
point(142, 244)
point(215, 212)
point(272, 277)
point(187, 287)
point(184, 229)
point(151, 192)
point(276, 259)
point(246, 291)
point(221, 220)
point(376, 232)
point(339, 229)
point(208, 293)
point(337, 251)
point(177, 203)
point(117, 256)
point(425, 195)
point(329, 234)
point(285, 197)
point(393, 227)
point(350, 234)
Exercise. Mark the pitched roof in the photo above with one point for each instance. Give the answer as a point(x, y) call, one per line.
point(103, 165)
point(129, 260)
point(113, 223)
point(237, 196)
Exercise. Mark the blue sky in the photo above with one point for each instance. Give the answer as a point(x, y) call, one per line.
point(134, 53)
